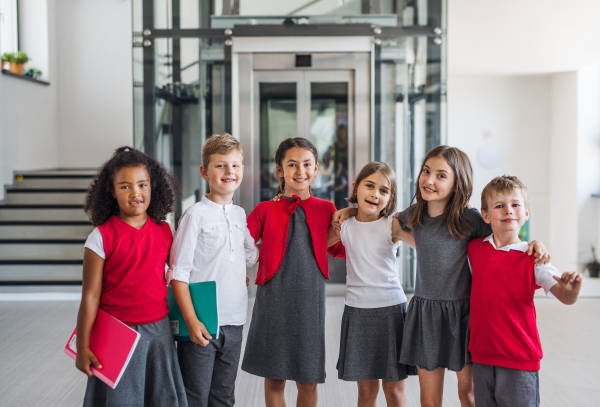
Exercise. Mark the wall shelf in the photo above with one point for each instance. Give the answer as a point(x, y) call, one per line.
point(23, 77)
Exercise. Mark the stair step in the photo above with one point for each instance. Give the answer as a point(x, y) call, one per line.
point(44, 230)
point(40, 273)
point(41, 196)
point(52, 182)
point(47, 250)
point(42, 212)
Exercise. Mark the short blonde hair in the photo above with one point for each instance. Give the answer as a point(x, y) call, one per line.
point(503, 184)
point(387, 171)
point(220, 144)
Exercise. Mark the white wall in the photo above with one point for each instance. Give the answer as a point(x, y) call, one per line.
point(563, 172)
point(588, 160)
point(512, 113)
point(95, 113)
point(29, 112)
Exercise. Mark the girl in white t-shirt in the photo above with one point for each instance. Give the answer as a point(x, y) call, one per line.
point(373, 320)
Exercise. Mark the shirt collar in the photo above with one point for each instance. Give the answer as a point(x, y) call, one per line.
point(215, 205)
point(522, 246)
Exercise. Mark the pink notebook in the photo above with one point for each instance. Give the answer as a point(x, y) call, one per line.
point(112, 342)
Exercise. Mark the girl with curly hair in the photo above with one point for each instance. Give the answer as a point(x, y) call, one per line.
point(124, 275)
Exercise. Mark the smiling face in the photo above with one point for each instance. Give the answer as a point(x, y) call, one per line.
point(131, 188)
point(298, 169)
point(224, 174)
point(372, 196)
point(436, 182)
point(506, 211)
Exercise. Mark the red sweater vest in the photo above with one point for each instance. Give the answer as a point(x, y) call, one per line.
point(270, 221)
point(133, 283)
point(503, 319)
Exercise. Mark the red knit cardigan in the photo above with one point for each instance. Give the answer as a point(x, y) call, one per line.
point(270, 221)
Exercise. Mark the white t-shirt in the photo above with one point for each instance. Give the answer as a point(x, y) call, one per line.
point(213, 243)
point(95, 243)
point(371, 267)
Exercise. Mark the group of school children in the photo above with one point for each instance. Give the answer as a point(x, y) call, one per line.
point(472, 311)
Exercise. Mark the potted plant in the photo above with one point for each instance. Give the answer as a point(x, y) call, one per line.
point(18, 61)
point(33, 73)
point(6, 57)
point(593, 265)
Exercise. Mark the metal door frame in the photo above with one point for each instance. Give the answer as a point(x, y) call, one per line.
point(247, 68)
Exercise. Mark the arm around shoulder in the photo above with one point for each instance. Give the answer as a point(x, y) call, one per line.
point(399, 234)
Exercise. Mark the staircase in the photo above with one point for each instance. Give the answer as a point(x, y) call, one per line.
point(43, 227)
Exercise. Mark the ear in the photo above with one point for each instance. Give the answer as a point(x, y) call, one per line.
point(486, 217)
point(204, 172)
point(279, 170)
point(353, 185)
point(527, 213)
point(316, 167)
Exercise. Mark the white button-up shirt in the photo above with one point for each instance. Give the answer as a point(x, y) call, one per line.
point(543, 273)
point(213, 243)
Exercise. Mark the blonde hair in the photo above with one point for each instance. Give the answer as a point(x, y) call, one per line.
point(454, 212)
point(503, 184)
point(387, 172)
point(220, 144)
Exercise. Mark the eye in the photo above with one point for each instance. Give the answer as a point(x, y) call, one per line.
point(426, 171)
point(124, 187)
point(143, 185)
point(384, 192)
point(498, 206)
point(442, 176)
point(516, 205)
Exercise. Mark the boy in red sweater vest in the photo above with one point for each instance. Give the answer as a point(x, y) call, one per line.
point(504, 341)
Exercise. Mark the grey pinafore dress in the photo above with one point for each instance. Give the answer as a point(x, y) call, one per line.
point(286, 338)
point(436, 329)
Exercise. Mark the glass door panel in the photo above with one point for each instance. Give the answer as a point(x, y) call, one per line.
point(278, 121)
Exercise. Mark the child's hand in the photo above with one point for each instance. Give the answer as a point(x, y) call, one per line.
point(247, 280)
point(340, 216)
point(84, 359)
point(169, 275)
point(277, 198)
point(541, 254)
point(198, 333)
point(569, 281)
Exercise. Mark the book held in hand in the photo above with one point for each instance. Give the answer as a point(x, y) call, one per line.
point(204, 300)
point(113, 344)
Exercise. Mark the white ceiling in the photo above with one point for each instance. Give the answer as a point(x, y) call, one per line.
point(522, 36)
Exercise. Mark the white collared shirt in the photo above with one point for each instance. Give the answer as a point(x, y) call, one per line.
point(213, 243)
point(543, 273)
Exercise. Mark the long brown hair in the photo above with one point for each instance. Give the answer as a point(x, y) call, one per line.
point(288, 144)
point(387, 172)
point(454, 211)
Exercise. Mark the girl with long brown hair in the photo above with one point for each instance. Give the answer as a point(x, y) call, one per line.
point(436, 329)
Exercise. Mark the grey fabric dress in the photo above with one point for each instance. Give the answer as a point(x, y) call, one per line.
point(436, 329)
point(286, 338)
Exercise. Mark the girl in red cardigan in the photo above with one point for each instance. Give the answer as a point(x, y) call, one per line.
point(286, 339)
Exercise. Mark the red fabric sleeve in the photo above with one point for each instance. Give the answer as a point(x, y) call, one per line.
point(337, 250)
point(255, 222)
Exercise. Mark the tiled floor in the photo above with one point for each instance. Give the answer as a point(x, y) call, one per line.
point(35, 372)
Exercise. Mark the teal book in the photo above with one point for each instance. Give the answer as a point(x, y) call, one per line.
point(204, 299)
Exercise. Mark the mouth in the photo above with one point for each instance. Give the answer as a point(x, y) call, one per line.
point(371, 203)
point(227, 180)
point(508, 220)
point(429, 190)
point(136, 203)
point(300, 180)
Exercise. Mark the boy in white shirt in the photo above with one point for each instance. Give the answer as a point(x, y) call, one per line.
point(213, 244)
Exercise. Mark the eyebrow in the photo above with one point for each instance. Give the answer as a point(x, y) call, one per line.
point(293, 161)
point(126, 182)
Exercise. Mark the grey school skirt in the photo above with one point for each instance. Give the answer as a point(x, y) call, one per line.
point(152, 377)
point(370, 344)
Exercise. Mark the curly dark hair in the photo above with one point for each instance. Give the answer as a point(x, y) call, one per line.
point(100, 204)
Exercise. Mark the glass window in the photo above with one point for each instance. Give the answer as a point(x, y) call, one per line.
point(9, 26)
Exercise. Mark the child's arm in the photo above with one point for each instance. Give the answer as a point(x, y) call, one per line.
point(93, 267)
point(541, 253)
point(400, 234)
point(333, 236)
point(567, 289)
point(340, 216)
point(198, 332)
